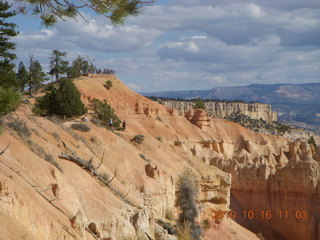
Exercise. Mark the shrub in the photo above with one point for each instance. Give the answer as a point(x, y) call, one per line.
point(64, 101)
point(49, 158)
point(138, 138)
point(108, 84)
point(144, 157)
point(56, 136)
point(106, 177)
point(9, 100)
point(80, 127)
point(20, 127)
point(184, 232)
point(104, 112)
point(186, 198)
point(312, 142)
point(199, 104)
point(205, 224)
point(159, 138)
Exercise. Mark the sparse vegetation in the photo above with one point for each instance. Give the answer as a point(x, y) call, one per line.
point(159, 138)
point(171, 229)
point(186, 198)
point(170, 215)
point(96, 122)
point(49, 158)
point(205, 224)
point(144, 157)
point(56, 136)
point(312, 142)
point(104, 112)
point(20, 127)
point(80, 127)
point(184, 232)
point(138, 138)
point(105, 176)
point(108, 84)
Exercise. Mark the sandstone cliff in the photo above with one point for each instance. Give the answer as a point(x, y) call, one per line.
point(223, 109)
point(43, 196)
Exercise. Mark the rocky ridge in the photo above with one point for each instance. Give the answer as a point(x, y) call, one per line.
point(220, 109)
point(43, 196)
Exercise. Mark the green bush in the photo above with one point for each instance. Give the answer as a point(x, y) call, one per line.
point(138, 138)
point(64, 101)
point(104, 112)
point(108, 84)
point(80, 127)
point(9, 100)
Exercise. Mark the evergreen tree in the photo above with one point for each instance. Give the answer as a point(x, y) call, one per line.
point(9, 100)
point(79, 67)
point(186, 199)
point(36, 75)
point(57, 65)
point(22, 76)
point(7, 31)
point(51, 10)
point(64, 101)
point(199, 104)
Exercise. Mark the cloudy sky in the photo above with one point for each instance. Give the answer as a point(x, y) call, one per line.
point(191, 44)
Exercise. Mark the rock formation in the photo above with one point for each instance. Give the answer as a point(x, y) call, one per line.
point(46, 197)
point(222, 109)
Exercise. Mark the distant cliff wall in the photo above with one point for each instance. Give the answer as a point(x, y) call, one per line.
point(223, 109)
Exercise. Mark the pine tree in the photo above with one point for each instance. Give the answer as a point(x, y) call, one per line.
point(64, 101)
point(199, 104)
point(22, 76)
point(7, 31)
point(51, 10)
point(79, 67)
point(9, 100)
point(36, 75)
point(57, 65)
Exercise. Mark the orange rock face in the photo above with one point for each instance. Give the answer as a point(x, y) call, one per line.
point(46, 197)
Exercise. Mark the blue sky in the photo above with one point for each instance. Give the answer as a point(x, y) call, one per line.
point(191, 44)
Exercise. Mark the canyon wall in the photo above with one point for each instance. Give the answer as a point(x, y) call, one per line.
point(44, 196)
point(223, 109)
point(275, 183)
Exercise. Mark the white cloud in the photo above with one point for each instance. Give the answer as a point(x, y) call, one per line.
point(190, 44)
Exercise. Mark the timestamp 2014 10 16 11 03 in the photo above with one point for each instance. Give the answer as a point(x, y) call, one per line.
point(261, 214)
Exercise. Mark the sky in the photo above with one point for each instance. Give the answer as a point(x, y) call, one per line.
point(190, 44)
